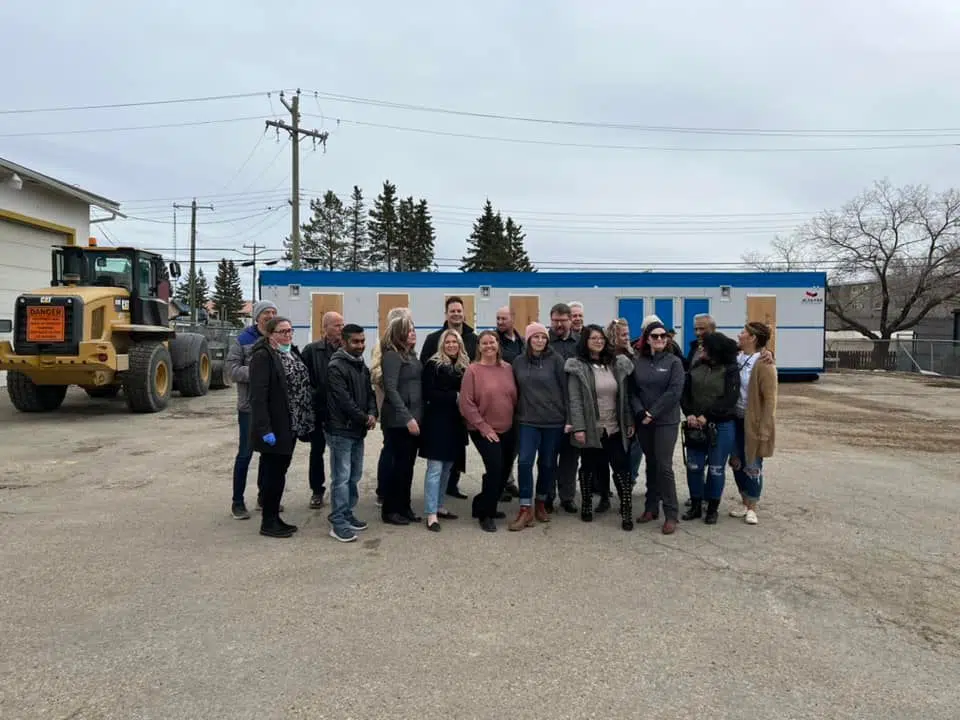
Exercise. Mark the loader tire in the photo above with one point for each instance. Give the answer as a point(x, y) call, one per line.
point(148, 383)
point(194, 379)
point(29, 397)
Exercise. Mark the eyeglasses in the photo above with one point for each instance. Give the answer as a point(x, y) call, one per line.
point(287, 331)
point(658, 336)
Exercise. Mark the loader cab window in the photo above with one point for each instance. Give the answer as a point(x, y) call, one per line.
point(146, 277)
point(111, 270)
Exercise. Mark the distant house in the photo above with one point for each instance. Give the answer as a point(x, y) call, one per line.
point(861, 302)
point(245, 313)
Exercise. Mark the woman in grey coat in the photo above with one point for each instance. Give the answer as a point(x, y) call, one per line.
point(400, 417)
point(600, 417)
point(655, 389)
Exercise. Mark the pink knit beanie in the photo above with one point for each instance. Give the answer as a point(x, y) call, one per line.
point(532, 329)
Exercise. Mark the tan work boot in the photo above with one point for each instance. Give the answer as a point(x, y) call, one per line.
point(524, 520)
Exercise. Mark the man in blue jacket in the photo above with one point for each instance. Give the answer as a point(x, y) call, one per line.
point(238, 365)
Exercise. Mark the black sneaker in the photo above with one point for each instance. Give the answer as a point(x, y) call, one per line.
point(570, 506)
point(316, 501)
point(239, 511)
point(356, 525)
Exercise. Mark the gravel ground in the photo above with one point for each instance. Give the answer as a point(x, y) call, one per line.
point(129, 592)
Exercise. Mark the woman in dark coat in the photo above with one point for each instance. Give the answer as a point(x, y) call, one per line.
point(443, 437)
point(281, 411)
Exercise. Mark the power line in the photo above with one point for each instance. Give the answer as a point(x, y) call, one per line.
point(901, 132)
point(85, 131)
point(140, 103)
point(639, 148)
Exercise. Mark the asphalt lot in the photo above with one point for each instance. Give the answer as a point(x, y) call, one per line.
point(129, 592)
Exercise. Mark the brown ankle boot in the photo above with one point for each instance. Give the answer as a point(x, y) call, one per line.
point(524, 519)
point(540, 511)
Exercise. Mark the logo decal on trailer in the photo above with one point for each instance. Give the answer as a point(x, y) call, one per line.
point(812, 296)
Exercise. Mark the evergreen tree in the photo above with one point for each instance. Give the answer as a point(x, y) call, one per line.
point(416, 236)
point(422, 258)
point(324, 236)
point(202, 289)
point(406, 235)
point(358, 249)
point(514, 237)
point(227, 293)
point(383, 230)
point(487, 246)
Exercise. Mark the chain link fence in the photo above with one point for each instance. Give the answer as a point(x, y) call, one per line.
point(932, 357)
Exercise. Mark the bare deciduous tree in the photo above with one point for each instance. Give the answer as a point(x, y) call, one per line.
point(905, 242)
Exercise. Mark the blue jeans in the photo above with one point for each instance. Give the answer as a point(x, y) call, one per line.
point(346, 469)
point(542, 444)
point(713, 462)
point(749, 476)
point(435, 485)
point(241, 464)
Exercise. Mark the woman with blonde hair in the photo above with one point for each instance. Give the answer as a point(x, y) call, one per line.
point(400, 418)
point(618, 335)
point(443, 437)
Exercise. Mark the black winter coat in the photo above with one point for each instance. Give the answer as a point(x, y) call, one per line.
point(269, 407)
point(316, 356)
point(350, 397)
point(443, 433)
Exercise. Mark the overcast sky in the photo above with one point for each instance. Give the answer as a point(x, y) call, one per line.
point(661, 196)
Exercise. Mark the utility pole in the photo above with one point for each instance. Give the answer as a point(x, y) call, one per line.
point(254, 247)
point(193, 255)
point(296, 132)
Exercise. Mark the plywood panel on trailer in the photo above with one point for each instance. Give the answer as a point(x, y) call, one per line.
point(469, 307)
point(320, 304)
point(526, 310)
point(387, 302)
point(763, 308)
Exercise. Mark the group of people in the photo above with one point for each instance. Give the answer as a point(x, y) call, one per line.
point(579, 402)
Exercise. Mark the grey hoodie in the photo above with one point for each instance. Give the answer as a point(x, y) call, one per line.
point(656, 386)
point(541, 389)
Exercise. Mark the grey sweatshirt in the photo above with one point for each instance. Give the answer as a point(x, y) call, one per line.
point(542, 390)
point(656, 386)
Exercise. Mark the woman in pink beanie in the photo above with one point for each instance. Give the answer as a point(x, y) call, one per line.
point(541, 419)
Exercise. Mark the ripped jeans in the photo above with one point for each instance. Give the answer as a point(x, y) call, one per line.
point(749, 475)
point(712, 462)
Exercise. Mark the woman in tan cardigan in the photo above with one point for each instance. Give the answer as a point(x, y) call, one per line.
point(756, 422)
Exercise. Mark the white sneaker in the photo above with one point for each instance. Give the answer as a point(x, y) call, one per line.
point(739, 511)
point(750, 518)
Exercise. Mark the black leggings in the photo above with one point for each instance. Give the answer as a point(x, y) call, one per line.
point(497, 459)
point(397, 459)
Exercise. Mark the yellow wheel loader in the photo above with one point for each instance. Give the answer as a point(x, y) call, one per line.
point(103, 324)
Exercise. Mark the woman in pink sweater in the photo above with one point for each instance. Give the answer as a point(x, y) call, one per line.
point(488, 401)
